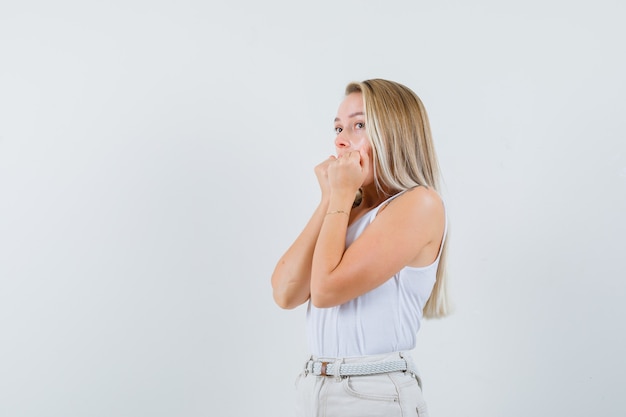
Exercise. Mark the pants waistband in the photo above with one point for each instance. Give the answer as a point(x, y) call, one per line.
point(360, 367)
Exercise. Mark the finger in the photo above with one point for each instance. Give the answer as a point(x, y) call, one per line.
point(363, 157)
point(346, 156)
point(355, 157)
point(329, 159)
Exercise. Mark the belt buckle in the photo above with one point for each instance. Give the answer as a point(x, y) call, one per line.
point(323, 370)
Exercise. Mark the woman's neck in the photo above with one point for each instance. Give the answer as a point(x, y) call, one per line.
point(372, 196)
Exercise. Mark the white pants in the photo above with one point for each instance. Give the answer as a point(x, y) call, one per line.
point(390, 394)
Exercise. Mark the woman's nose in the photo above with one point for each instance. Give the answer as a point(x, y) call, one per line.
point(341, 141)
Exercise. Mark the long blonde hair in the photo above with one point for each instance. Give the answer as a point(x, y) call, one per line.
point(398, 129)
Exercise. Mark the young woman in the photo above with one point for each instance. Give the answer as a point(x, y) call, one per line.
point(371, 267)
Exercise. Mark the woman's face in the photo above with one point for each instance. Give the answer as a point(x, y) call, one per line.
point(350, 130)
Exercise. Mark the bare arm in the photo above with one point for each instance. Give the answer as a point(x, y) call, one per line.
point(291, 280)
point(292, 275)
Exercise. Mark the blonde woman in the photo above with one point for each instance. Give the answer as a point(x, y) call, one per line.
point(370, 267)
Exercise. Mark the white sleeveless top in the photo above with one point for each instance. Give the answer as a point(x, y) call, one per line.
point(383, 320)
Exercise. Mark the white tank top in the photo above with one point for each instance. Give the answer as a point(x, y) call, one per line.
point(383, 320)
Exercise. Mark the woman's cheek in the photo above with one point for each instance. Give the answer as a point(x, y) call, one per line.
point(360, 143)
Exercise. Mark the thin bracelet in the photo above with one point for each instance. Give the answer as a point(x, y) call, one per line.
point(338, 212)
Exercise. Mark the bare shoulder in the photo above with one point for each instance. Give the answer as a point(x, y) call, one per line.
point(417, 219)
point(419, 201)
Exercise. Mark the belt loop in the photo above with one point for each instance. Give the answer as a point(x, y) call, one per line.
point(337, 368)
point(408, 368)
point(307, 364)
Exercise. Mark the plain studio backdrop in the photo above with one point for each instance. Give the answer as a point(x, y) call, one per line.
point(156, 159)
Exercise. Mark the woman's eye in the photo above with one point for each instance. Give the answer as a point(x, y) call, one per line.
point(359, 125)
point(338, 130)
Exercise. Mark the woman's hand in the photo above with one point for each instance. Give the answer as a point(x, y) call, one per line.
point(321, 172)
point(347, 173)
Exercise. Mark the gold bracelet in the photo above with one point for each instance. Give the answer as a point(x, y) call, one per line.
point(338, 212)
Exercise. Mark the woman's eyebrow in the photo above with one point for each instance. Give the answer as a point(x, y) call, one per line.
point(350, 116)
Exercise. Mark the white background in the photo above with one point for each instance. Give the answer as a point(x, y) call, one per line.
point(156, 158)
